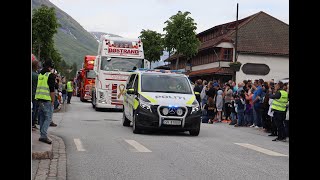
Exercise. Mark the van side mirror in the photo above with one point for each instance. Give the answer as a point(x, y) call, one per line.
point(130, 91)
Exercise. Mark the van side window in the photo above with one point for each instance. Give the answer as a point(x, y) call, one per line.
point(130, 82)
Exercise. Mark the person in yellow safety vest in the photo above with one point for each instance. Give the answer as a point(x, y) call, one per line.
point(70, 89)
point(280, 100)
point(45, 96)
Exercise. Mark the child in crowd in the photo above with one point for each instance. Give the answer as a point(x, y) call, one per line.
point(233, 110)
point(210, 108)
point(241, 106)
point(219, 105)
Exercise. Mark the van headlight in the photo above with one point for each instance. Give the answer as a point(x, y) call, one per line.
point(195, 106)
point(144, 103)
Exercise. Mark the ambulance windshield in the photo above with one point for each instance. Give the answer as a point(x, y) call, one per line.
point(120, 64)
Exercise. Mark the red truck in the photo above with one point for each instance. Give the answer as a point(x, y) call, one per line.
point(87, 78)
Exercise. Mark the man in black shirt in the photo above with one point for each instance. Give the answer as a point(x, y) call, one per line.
point(45, 97)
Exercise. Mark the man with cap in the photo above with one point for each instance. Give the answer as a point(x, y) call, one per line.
point(45, 96)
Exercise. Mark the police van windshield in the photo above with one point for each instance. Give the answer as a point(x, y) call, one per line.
point(120, 64)
point(165, 84)
point(91, 74)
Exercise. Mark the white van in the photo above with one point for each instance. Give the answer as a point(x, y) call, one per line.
point(160, 99)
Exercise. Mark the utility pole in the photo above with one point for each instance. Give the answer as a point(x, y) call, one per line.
point(236, 44)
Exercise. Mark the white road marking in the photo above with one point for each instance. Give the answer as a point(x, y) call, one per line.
point(259, 149)
point(79, 145)
point(139, 147)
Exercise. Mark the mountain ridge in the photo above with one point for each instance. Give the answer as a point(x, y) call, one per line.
point(72, 41)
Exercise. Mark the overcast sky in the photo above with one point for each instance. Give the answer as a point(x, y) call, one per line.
point(127, 18)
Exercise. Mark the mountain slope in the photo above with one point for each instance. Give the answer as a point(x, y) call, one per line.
point(97, 35)
point(72, 41)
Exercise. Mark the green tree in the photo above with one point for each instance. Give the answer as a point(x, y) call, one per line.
point(44, 26)
point(152, 45)
point(180, 36)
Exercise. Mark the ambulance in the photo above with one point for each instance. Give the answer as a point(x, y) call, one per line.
point(116, 58)
point(160, 99)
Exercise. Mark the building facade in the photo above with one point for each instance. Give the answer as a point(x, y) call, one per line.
point(263, 50)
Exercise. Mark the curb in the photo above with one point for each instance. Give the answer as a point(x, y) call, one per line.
point(42, 155)
point(45, 153)
point(56, 167)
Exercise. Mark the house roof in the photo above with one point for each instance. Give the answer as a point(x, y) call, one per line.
point(259, 33)
point(216, 70)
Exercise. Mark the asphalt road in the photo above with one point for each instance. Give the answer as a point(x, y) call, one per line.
point(100, 148)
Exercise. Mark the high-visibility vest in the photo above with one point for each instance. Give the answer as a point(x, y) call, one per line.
point(280, 104)
point(69, 87)
point(43, 91)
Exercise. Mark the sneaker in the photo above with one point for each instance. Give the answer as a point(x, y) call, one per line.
point(53, 124)
point(276, 139)
point(236, 125)
point(252, 125)
point(256, 127)
point(45, 140)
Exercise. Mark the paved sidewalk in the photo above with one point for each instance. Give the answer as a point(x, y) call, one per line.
point(49, 161)
point(54, 168)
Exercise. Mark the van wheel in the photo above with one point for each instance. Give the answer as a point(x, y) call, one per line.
point(135, 128)
point(194, 132)
point(125, 121)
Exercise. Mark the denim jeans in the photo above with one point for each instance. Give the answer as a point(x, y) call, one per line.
point(257, 117)
point(34, 111)
point(56, 102)
point(248, 116)
point(64, 97)
point(233, 117)
point(45, 116)
point(240, 118)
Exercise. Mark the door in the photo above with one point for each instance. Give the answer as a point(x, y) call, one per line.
point(127, 100)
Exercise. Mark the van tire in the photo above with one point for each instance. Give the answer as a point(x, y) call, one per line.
point(136, 130)
point(195, 132)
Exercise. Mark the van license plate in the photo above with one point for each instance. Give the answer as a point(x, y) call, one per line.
point(171, 122)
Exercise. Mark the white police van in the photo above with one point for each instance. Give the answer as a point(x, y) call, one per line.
point(160, 99)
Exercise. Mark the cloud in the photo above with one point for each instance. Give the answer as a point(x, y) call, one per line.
point(128, 18)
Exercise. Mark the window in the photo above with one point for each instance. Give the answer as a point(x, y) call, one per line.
point(227, 54)
point(130, 82)
point(135, 84)
point(165, 84)
point(255, 69)
point(91, 74)
point(120, 64)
